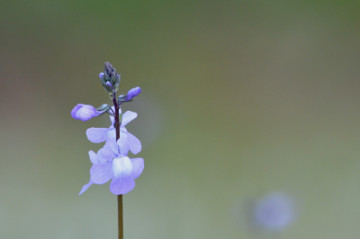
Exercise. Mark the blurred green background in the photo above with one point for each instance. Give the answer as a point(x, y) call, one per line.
point(240, 98)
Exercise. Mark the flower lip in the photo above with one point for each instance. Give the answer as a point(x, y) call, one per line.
point(122, 167)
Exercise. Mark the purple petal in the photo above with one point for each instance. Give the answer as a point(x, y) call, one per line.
point(127, 117)
point(101, 173)
point(93, 157)
point(75, 110)
point(122, 185)
point(108, 151)
point(138, 166)
point(134, 143)
point(111, 134)
point(105, 155)
point(85, 187)
point(112, 145)
point(96, 135)
point(123, 143)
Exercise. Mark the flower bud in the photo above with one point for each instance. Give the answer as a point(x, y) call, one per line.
point(84, 112)
point(109, 70)
point(117, 82)
point(108, 86)
point(133, 93)
point(110, 79)
point(101, 76)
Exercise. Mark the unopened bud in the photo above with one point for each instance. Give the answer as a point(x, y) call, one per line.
point(84, 112)
point(101, 75)
point(133, 93)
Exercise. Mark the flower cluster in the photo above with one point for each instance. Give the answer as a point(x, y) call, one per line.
point(111, 162)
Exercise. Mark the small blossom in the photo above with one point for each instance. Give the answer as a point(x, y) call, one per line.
point(110, 164)
point(127, 142)
point(133, 93)
point(274, 211)
point(84, 112)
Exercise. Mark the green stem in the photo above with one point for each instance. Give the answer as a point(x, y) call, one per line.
point(120, 217)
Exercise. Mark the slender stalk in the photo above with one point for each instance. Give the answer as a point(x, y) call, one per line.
point(120, 217)
point(119, 197)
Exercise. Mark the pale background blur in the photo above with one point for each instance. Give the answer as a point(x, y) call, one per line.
point(240, 98)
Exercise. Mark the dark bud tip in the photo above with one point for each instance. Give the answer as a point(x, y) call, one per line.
point(109, 70)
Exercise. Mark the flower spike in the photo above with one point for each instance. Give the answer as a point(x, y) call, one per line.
point(112, 162)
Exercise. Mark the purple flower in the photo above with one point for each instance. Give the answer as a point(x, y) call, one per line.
point(127, 142)
point(108, 164)
point(274, 211)
point(133, 93)
point(84, 112)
